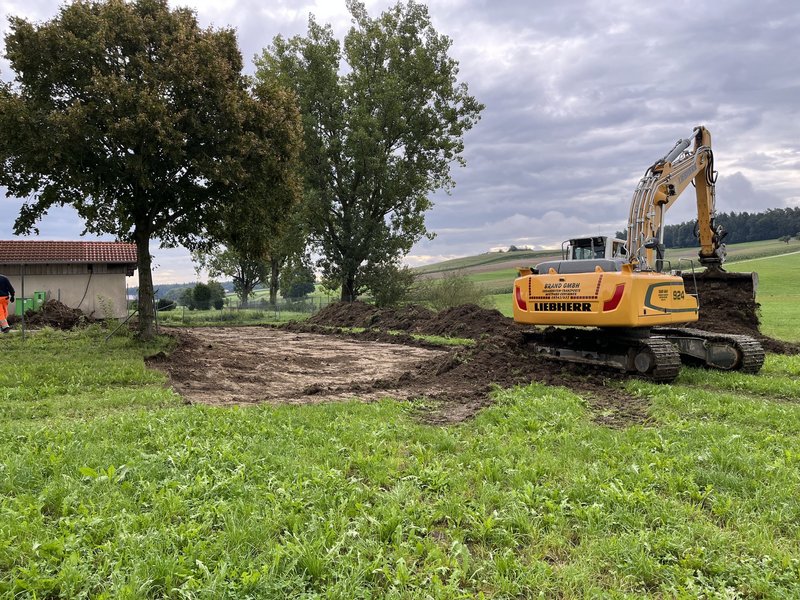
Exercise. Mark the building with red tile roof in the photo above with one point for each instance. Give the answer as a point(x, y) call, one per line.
point(86, 275)
point(45, 251)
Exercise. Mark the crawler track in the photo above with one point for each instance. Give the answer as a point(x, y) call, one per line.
point(745, 353)
point(654, 358)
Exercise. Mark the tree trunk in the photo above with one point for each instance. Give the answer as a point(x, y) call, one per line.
point(146, 302)
point(274, 265)
point(348, 287)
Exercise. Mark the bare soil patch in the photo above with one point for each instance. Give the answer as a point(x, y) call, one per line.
point(246, 365)
point(307, 362)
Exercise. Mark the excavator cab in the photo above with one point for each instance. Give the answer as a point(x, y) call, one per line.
point(595, 247)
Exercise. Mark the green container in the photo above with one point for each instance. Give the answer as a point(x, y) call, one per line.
point(23, 304)
point(38, 299)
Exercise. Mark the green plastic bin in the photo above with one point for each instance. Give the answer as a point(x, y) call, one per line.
point(23, 304)
point(38, 299)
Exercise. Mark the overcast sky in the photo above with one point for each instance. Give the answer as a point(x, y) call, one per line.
point(581, 97)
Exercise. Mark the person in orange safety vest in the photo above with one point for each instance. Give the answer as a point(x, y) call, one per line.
point(6, 297)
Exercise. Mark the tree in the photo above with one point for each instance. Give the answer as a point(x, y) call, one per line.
point(261, 228)
point(390, 284)
point(138, 118)
point(187, 298)
point(298, 279)
point(245, 273)
point(202, 296)
point(217, 294)
point(785, 239)
point(379, 137)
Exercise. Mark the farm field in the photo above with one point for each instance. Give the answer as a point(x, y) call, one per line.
point(123, 478)
point(113, 487)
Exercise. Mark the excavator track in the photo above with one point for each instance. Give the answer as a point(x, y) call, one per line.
point(653, 358)
point(728, 352)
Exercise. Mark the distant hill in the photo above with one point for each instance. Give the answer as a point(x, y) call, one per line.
point(487, 262)
point(497, 269)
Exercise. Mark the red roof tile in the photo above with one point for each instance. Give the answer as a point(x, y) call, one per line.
point(16, 252)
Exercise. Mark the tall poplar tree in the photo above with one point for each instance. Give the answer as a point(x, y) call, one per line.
point(384, 118)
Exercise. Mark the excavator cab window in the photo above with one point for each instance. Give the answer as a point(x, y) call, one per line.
point(587, 248)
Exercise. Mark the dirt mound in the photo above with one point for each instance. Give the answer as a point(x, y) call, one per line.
point(346, 314)
point(468, 321)
point(55, 314)
point(727, 305)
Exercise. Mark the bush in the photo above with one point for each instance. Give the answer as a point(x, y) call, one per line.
point(166, 304)
point(219, 303)
point(454, 289)
point(390, 285)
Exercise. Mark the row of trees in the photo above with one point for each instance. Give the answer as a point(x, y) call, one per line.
point(774, 223)
point(144, 122)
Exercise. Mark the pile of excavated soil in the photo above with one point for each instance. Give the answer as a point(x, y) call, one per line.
point(467, 321)
point(55, 314)
point(727, 305)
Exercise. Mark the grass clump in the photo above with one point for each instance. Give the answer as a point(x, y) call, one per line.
point(450, 290)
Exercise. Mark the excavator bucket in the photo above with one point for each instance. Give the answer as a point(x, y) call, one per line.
point(726, 298)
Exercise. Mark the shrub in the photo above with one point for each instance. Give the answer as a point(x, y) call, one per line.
point(454, 289)
point(166, 304)
point(390, 285)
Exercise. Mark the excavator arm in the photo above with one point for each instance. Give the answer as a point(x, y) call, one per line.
point(660, 188)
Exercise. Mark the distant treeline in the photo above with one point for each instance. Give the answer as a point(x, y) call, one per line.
point(741, 227)
point(174, 290)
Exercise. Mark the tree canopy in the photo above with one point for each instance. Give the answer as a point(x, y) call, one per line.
point(140, 119)
point(384, 118)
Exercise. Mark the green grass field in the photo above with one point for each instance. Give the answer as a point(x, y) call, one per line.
point(778, 293)
point(111, 487)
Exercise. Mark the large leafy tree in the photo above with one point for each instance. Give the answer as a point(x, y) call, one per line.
point(139, 118)
point(262, 227)
point(384, 118)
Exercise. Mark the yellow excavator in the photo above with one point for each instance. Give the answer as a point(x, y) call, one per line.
point(617, 302)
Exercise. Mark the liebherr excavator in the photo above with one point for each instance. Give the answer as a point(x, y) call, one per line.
point(610, 302)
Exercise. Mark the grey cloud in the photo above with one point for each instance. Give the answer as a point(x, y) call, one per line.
point(581, 97)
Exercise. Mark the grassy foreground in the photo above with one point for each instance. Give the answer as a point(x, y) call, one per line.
point(111, 488)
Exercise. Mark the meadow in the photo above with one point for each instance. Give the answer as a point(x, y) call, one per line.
point(112, 487)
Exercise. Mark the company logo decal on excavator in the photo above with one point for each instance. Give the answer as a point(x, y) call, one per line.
point(562, 306)
point(664, 293)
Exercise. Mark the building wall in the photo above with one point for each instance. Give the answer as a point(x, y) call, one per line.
point(96, 293)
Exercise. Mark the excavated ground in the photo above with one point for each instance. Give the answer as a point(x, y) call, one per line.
point(322, 359)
